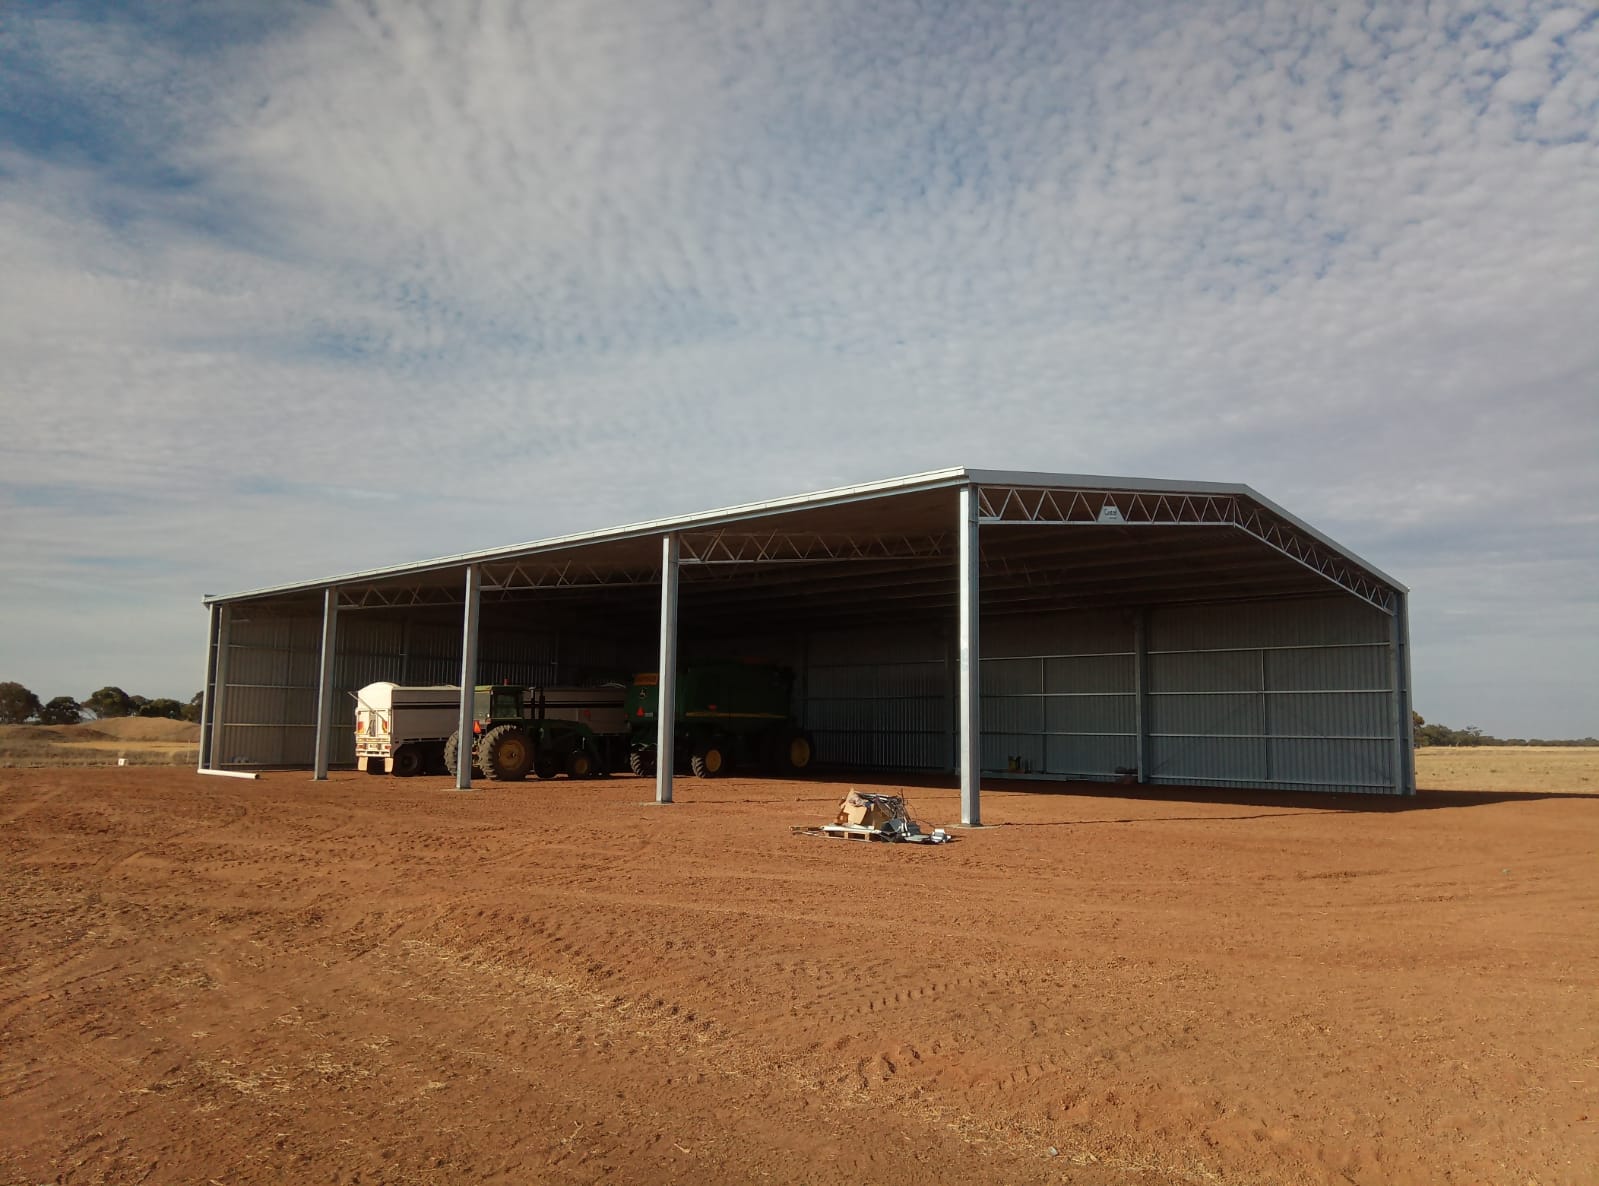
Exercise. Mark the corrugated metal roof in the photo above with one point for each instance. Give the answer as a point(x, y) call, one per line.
point(1119, 559)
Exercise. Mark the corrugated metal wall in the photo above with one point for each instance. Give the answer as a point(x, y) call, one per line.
point(1059, 694)
point(878, 698)
point(270, 699)
point(270, 703)
point(1290, 695)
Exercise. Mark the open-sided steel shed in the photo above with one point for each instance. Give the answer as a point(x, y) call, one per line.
point(998, 624)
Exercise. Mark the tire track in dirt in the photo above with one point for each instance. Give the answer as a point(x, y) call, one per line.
point(354, 983)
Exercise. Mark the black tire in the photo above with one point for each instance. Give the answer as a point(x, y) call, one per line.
point(710, 760)
point(546, 763)
point(452, 753)
point(641, 762)
point(506, 754)
point(374, 766)
point(580, 764)
point(795, 752)
point(408, 762)
point(434, 758)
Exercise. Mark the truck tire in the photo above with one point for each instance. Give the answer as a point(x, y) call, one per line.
point(408, 762)
point(641, 762)
point(505, 753)
point(710, 760)
point(433, 758)
point(795, 752)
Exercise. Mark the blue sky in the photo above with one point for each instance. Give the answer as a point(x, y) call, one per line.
point(288, 291)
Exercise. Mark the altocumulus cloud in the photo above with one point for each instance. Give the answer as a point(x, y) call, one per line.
point(292, 291)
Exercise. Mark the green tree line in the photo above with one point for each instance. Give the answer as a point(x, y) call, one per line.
point(1425, 734)
point(20, 706)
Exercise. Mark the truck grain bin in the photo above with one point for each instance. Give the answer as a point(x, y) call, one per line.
point(401, 730)
point(728, 714)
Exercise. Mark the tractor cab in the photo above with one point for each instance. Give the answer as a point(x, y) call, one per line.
point(498, 702)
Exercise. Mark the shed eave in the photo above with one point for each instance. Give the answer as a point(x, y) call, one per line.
point(911, 483)
point(930, 480)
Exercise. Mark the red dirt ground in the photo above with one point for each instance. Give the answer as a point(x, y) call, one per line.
point(372, 980)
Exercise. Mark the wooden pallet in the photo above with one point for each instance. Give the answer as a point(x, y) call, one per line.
point(852, 832)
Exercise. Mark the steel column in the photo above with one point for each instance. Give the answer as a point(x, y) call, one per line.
point(324, 686)
point(1141, 692)
point(206, 696)
point(1409, 706)
point(971, 724)
point(1404, 757)
point(666, 673)
point(219, 698)
point(463, 721)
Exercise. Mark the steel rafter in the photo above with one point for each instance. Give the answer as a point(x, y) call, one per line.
point(1132, 508)
point(523, 576)
point(739, 547)
point(385, 598)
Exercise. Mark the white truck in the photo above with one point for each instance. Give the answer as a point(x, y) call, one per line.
point(401, 730)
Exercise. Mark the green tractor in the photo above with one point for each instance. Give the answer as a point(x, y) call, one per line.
point(520, 730)
point(728, 715)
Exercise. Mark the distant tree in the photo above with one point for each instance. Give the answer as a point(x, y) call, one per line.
point(17, 704)
point(1471, 735)
point(109, 702)
point(1438, 735)
point(191, 710)
point(1416, 722)
point(136, 705)
point(63, 710)
point(162, 706)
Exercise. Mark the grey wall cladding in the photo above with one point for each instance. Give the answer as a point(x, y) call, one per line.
point(1285, 694)
point(1290, 695)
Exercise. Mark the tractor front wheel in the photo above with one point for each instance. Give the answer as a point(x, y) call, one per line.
point(580, 764)
point(710, 760)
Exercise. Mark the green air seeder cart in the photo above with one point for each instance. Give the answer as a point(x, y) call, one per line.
point(728, 715)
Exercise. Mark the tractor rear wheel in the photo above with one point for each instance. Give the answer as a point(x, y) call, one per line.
point(452, 757)
point(505, 753)
point(710, 760)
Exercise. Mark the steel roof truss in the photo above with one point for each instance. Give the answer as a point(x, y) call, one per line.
point(1132, 508)
point(729, 547)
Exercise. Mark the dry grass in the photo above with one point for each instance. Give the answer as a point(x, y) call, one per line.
point(145, 729)
point(1553, 769)
point(135, 741)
